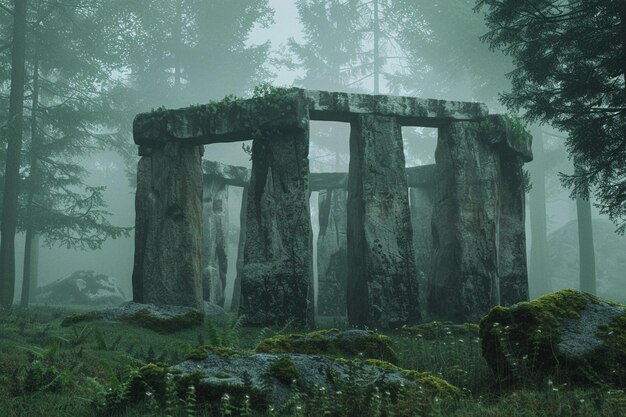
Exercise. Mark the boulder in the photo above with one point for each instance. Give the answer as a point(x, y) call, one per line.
point(282, 380)
point(332, 342)
point(161, 318)
point(567, 335)
point(82, 288)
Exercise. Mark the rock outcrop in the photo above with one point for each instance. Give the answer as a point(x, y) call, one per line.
point(566, 335)
point(81, 288)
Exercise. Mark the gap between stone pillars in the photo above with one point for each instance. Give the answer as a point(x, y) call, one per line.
point(465, 281)
point(277, 276)
point(382, 289)
point(214, 240)
point(168, 226)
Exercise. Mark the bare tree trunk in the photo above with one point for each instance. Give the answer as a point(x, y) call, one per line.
point(376, 48)
point(33, 186)
point(14, 147)
point(538, 270)
point(586, 251)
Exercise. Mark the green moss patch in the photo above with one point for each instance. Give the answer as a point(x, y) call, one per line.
point(284, 370)
point(332, 342)
point(540, 339)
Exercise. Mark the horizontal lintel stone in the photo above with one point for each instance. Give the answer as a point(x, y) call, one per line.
point(230, 121)
point(221, 122)
point(342, 107)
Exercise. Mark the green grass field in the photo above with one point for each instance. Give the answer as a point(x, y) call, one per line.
point(49, 370)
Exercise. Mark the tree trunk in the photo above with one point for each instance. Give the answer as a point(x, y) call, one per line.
point(376, 48)
point(586, 251)
point(14, 147)
point(33, 186)
point(538, 270)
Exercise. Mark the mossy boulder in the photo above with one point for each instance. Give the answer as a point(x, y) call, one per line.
point(161, 319)
point(567, 336)
point(364, 344)
point(275, 378)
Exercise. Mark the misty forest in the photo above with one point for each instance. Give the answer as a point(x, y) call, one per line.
point(303, 208)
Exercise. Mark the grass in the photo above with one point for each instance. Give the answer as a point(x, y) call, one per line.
point(47, 369)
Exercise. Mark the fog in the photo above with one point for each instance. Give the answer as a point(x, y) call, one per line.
point(439, 73)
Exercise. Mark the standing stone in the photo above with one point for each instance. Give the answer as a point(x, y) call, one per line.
point(277, 280)
point(512, 245)
point(421, 218)
point(465, 282)
point(215, 240)
point(332, 253)
point(234, 305)
point(382, 285)
point(168, 226)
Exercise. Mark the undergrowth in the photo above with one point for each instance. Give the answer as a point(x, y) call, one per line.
point(91, 369)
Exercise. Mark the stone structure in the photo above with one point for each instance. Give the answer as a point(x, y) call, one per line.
point(471, 255)
point(214, 239)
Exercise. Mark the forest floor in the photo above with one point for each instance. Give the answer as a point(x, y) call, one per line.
point(50, 370)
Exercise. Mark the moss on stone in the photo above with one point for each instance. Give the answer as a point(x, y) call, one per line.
point(522, 341)
point(80, 317)
point(332, 342)
point(197, 354)
point(284, 370)
point(144, 318)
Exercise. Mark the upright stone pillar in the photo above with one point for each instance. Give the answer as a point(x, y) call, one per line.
point(277, 282)
point(512, 243)
point(382, 285)
point(215, 239)
point(465, 281)
point(332, 253)
point(168, 226)
point(421, 218)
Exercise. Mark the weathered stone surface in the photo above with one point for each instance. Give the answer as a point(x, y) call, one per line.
point(252, 373)
point(228, 123)
point(160, 318)
point(512, 231)
point(277, 282)
point(228, 174)
point(465, 281)
point(332, 253)
point(382, 285)
point(501, 130)
point(168, 227)
point(214, 240)
point(421, 200)
point(343, 107)
point(81, 288)
point(578, 336)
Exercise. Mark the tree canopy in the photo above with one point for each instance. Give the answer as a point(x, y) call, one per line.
point(570, 70)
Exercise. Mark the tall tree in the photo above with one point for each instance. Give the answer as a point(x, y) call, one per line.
point(15, 124)
point(570, 59)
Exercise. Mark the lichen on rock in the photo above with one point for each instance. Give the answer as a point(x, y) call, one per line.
point(568, 335)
